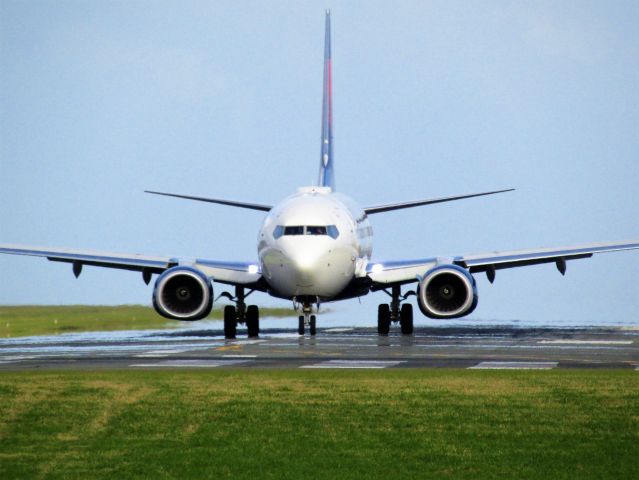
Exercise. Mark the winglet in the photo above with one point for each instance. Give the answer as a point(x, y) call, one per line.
point(326, 173)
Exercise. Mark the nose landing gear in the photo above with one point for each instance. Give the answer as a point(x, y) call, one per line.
point(395, 312)
point(307, 318)
point(240, 314)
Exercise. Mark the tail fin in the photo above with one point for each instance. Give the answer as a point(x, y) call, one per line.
point(327, 173)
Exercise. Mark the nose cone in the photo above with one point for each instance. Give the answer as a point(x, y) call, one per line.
point(303, 266)
point(307, 265)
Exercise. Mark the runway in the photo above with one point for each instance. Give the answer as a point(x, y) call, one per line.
point(498, 347)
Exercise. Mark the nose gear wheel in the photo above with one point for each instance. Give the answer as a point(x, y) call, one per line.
point(307, 318)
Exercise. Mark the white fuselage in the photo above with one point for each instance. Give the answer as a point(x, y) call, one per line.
point(313, 244)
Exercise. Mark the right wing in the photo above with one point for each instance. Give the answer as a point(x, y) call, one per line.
point(232, 273)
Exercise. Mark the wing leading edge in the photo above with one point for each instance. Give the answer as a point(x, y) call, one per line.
point(407, 271)
point(232, 273)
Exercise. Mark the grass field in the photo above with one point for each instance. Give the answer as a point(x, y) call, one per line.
point(20, 321)
point(320, 424)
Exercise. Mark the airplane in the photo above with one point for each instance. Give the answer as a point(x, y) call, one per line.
point(315, 246)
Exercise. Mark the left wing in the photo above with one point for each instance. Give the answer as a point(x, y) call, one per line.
point(397, 272)
point(232, 273)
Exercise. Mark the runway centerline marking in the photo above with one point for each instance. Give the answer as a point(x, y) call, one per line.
point(586, 342)
point(190, 363)
point(355, 364)
point(159, 353)
point(514, 365)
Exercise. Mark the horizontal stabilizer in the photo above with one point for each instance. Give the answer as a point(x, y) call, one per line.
point(250, 206)
point(430, 201)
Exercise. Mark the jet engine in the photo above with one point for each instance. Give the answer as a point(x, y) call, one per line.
point(183, 293)
point(447, 291)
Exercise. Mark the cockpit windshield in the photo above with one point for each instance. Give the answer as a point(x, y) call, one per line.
point(315, 230)
point(296, 230)
point(329, 230)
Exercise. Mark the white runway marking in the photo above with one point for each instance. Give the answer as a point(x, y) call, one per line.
point(159, 353)
point(355, 364)
point(586, 342)
point(239, 356)
point(190, 363)
point(339, 330)
point(514, 365)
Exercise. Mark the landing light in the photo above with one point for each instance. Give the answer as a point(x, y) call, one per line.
point(378, 267)
point(252, 269)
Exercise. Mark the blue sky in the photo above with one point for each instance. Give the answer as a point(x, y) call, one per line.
point(101, 100)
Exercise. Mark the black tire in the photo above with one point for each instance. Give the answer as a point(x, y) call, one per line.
point(383, 319)
point(300, 325)
point(253, 321)
point(313, 325)
point(230, 322)
point(406, 319)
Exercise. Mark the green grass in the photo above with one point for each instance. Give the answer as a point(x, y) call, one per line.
point(20, 321)
point(320, 424)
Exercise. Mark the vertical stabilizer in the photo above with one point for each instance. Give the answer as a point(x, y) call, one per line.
point(327, 173)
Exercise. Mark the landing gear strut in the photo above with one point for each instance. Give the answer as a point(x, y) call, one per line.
point(395, 312)
point(240, 314)
point(307, 318)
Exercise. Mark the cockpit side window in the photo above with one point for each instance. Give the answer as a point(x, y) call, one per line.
point(278, 232)
point(333, 232)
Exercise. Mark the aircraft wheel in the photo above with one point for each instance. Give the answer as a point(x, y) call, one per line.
point(383, 319)
point(406, 319)
point(253, 321)
point(300, 325)
point(230, 322)
point(313, 325)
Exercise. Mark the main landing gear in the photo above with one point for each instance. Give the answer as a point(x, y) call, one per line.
point(307, 318)
point(395, 312)
point(240, 314)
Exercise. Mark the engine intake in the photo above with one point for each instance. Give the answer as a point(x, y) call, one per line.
point(447, 291)
point(183, 293)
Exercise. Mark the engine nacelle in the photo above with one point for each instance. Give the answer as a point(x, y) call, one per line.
point(183, 293)
point(447, 291)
